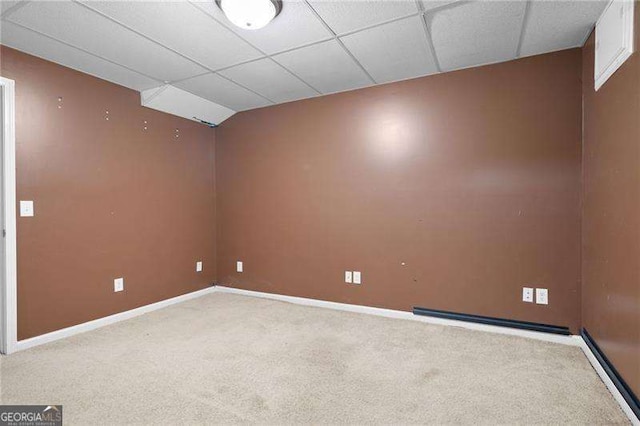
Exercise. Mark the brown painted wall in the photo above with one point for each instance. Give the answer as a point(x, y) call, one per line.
point(111, 199)
point(449, 192)
point(611, 222)
point(471, 178)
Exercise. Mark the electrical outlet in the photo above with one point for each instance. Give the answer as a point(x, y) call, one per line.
point(239, 267)
point(527, 294)
point(118, 284)
point(542, 296)
point(348, 277)
point(357, 277)
point(198, 266)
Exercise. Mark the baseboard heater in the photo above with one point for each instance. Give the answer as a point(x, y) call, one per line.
point(523, 325)
point(613, 374)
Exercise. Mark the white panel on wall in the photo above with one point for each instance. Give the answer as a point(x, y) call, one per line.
point(183, 27)
point(393, 51)
point(174, 101)
point(44, 47)
point(614, 39)
point(295, 26)
point(325, 66)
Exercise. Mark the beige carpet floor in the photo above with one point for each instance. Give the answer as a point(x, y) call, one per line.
point(232, 359)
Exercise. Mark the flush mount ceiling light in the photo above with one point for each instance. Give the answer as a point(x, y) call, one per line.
point(250, 14)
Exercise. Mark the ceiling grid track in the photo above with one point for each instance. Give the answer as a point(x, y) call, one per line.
point(425, 16)
point(85, 51)
point(265, 55)
point(180, 80)
point(13, 8)
point(244, 87)
point(320, 41)
point(525, 23)
point(335, 37)
point(313, 43)
point(302, 46)
point(427, 34)
point(171, 50)
point(378, 24)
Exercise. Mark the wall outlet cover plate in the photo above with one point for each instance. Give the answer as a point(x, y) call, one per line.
point(542, 296)
point(118, 284)
point(26, 209)
point(348, 277)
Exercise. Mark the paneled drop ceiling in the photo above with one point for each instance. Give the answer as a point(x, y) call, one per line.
point(314, 47)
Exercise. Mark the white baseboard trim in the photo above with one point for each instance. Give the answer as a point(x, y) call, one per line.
point(389, 313)
point(573, 340)
point(609, 383)
point(111, 319)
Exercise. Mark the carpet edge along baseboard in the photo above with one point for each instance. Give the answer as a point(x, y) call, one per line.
point(622, 386)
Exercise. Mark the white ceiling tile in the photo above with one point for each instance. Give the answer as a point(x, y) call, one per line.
point(295, 26)
point(7, 4)
point(270, 80)
point(464, 34)
point(38, 45)
point(350, 15)
point(394, 51)
point(433, 4)
point(559, 25)
point(476, 33)
point(182, 27)
point(78, 26)
point(4, 5)
point(325, 66)
point(223, 92)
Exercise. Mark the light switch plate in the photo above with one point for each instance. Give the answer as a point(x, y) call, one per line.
point(542, 296)
point(198, 266)
point(26, 209)
point(527, 294)
point(348, 277)
point(239, 267)
point(118, 284)
point(357, 277)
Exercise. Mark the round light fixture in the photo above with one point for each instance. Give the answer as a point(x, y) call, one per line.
point(250, 14)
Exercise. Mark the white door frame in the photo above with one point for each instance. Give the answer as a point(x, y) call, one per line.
point(8, 281)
